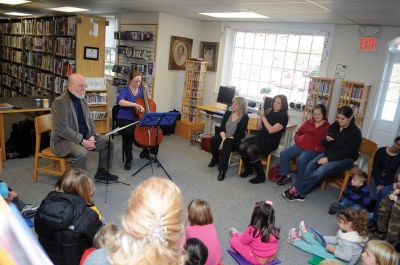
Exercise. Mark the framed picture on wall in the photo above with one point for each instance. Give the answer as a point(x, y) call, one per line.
point(209, 52)
point(180, 50)
point(91, 53)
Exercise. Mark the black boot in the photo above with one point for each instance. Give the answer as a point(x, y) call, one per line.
point(213, 162)
point(248, 168)
point(260, 175)
point(221, 175)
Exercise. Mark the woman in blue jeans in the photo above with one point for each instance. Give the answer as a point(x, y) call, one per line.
point(308, 144)
point(342, 144)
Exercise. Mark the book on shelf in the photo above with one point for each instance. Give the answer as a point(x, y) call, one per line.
point(96, 98)
point(95, 115)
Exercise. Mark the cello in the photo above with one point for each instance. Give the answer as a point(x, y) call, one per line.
point(147, 136)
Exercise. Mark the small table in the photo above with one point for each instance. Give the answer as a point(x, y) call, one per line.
point(211, 111)
point(28, 106)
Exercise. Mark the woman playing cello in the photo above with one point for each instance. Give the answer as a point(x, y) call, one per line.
point(126, 99)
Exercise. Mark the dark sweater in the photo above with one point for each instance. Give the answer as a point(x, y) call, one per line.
point(83, 129)
point(65, 227)
point(346, 143)
point(240, 131)
point(359, 195)
point(385, 167)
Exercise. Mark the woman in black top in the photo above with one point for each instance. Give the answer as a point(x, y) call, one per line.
point(342, 144)
point(233, 130)
point(271, 125)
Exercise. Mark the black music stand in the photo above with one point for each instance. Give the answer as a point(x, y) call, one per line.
point(107, 180)
point(155, 119)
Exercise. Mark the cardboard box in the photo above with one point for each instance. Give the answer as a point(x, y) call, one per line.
point(186, 129)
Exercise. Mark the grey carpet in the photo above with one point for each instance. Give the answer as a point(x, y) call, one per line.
point(231, 200)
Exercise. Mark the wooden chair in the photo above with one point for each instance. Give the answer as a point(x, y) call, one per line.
point(266, 162)
point(368, 148)
point(1, 162)
point(59, 166)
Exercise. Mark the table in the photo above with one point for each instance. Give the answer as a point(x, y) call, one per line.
point(28, 107)
point(210, 112)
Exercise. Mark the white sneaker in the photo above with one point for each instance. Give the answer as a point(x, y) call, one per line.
point(29, 211)
point(293, 235)
point(302, 229)
point(233, 231)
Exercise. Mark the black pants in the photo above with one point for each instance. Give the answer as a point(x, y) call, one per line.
point(128, 139)
point(230, 144)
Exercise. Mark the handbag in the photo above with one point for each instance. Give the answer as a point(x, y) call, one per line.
point(274, 174)
point(206, 143)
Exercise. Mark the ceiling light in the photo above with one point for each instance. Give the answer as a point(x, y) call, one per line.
point(19, 14)
point(68, 9)
point(13, 2)
point(234, 15)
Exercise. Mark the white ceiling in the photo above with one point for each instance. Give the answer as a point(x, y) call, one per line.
point(365, 12)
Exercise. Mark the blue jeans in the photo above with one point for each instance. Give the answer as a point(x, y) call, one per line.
point(303, 157)
point(385, 191)
point(315, 173)
point(345, 202)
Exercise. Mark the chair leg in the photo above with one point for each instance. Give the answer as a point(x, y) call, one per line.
point(35, 169)
point(323, 184)
point(240, 166)
point(63, 167)
point(267, 165)
point(346, 179)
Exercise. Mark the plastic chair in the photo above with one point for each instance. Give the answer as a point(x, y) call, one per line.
point(368, 148)
point(59, 166)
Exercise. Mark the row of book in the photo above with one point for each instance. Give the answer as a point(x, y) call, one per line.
point(12, 41)
point(355, 93)
point(11, 82)
point(191, 118)
point(42, 27)
point(59, 84)
point(190, 110)
point(11, 55)
point(65, 26)
point(119, 82)
point(133, 35)
point(192, 93)
point(322, 88)
point(312, 103)
point(132, 52)
point(195, 67)
point(194, 85)
point(96, 98)
point(39, 60)
point(39, 79)
point(193, 77)
point(64, 67)
point(43, 44)
point(65, 47)
point(14, 70)
point(97, 114)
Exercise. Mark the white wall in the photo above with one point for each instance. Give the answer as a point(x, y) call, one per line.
point(364, 67)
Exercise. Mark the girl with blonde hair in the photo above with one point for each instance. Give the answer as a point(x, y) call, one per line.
point(151, 226)
point(379, 252)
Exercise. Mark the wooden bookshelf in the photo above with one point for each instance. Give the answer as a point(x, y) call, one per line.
point(319, 92)
point(355, 95)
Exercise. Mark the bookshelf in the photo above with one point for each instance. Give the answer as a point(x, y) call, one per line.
point(355, 95)
point(38, 54)
point(97, 99)
point(319, 92)
point(193, 90)
point(136, 50)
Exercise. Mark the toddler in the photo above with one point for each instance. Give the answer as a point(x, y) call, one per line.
point(259, 242)
point(201, 227)
point(356, 195)
point(11, 196)
point(346, 246)
point(196, 252)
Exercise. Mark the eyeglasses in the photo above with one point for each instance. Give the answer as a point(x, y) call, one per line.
point(137, 82)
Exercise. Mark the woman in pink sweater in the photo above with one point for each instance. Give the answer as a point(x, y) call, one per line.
point(259, 243)
point(201, 227)
point(307, 145)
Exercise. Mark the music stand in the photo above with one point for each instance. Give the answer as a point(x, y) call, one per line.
point(107, 180)
point(155, 119)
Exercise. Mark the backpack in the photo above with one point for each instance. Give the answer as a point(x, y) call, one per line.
point(274, 174)
point(22, 140)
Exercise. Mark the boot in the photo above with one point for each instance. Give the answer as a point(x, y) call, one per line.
point(260, 175)
point(221, 175)
point(248, 168)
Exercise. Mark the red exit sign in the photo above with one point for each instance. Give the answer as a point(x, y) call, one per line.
point(367, 44)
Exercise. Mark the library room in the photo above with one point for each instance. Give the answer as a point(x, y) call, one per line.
point(278, 120)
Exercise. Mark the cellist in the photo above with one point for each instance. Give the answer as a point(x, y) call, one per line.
point(127, 114)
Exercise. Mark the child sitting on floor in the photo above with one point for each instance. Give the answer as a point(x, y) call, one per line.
point(346, 246)
point(201, 227)
point(11, 196)
point(196, 252)
point(356, 195)
point(259, 243)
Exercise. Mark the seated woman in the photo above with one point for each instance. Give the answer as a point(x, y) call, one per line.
point(271, 125)
point(308, 144)
point(342, 144)
point(233, 130)
point(64, 222)
point(127, 114)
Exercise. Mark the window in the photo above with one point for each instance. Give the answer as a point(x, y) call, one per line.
point(110, 52)
point(280, 62)
point(392, 95)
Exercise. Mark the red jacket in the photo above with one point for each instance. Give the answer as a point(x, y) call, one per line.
point(308, 137)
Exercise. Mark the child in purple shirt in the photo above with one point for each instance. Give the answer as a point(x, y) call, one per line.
point(201, 227)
